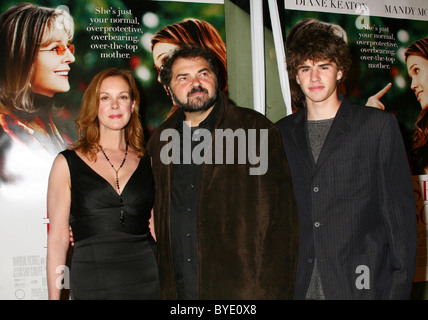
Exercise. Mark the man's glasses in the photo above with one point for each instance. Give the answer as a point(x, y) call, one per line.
point(61, 49)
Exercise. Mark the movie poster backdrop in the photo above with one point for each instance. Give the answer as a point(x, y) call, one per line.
point(117, 33)
point(107, 33)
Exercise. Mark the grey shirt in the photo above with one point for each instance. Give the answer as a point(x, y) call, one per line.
point(317, 133)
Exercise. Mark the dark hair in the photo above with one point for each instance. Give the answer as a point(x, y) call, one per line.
point(419, 151)
point(417, 48)
point(187, 51)
point(310, 39)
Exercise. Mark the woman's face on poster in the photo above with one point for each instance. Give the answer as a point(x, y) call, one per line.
point(160, 51)
point(417, 67)
point(51, 68)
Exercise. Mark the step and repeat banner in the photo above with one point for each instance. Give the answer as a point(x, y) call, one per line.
point(379, 33)
point(35, 127)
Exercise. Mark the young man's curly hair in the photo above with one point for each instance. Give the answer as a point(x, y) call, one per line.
point(310, 39)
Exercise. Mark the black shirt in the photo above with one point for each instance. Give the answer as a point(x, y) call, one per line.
point(184, 206)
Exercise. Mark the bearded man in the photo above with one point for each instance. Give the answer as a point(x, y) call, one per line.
point(226, 226)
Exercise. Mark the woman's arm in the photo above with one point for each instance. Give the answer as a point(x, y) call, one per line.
point(58, 204)
point(152, 226)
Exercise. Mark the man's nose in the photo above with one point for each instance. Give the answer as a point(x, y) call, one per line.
point(314, 75)
point(196, 82)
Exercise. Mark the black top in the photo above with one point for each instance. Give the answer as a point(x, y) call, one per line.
point(111, 260)
point(95, 204)
point(184, 205)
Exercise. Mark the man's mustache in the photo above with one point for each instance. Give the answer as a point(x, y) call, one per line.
point(197, 89)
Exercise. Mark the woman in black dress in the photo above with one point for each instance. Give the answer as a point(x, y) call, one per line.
point(103, 188)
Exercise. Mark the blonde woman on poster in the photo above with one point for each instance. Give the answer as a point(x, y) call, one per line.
point(35, 58)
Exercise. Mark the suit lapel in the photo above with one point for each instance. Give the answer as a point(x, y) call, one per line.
point(300, 137)
point(339, 128)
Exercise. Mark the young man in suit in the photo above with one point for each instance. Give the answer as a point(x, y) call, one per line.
point(351, 179)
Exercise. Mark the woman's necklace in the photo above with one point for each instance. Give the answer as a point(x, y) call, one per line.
point(122, 211)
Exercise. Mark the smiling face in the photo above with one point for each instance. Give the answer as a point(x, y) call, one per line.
point(318, 80)
point(115, 104)
point(50, 69)
point(417, 67)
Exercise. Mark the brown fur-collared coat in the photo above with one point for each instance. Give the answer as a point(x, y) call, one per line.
point(247, 224)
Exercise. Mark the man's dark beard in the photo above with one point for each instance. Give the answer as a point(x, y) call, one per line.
point(198, 104)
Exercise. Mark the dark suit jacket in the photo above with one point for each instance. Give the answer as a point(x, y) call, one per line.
point(247, 224)
point(356, 205)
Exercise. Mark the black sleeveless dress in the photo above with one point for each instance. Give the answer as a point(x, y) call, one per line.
point(111, 260)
